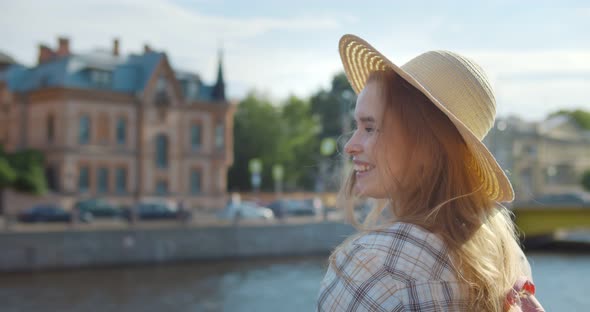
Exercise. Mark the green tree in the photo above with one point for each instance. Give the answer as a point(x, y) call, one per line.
point(331, 104)
point(288, 134)
point(257, 134)
point(299, 146)
point(586, 180)
point(285, 135)
point(7, 173)
point(334, 108)
point(581, 117)
point(22, 171)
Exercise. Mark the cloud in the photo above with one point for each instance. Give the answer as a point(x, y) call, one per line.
point(190, 38)
point(297, 53)
point(167, 25)
point(532, 84)
point(536, 61)
point(534, 99)
point(300, 72)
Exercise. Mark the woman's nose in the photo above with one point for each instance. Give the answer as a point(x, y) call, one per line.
point(352, 148)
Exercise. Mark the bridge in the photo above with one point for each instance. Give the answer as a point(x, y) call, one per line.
point(544, 224)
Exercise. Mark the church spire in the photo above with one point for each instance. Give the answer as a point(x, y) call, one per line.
point(219, 87)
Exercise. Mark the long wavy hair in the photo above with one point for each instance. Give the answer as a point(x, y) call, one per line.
point(440, 191)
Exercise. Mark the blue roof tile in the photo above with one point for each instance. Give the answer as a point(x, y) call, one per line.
point(120, 74)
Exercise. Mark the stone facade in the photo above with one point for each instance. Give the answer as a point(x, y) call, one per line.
point(545, 157)
point(144, 142)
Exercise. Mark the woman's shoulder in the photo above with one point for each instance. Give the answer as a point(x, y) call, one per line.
point(398, 268)
point(410, 251)
point(401, 231)
point(403, 237)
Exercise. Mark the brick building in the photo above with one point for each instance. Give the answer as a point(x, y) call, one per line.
point(547, 157)
point(120, 127)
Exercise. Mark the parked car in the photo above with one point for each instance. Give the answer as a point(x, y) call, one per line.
point(574, 199)
point(245, 210)
point(155, 210)
point(90, 209)
point(292, 207)
point(44, 213)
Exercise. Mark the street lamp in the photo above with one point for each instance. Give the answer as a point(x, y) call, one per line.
point(255, 168)
point(327, 148)
point(278, 174)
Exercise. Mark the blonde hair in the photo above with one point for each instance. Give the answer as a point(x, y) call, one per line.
point(440, 191)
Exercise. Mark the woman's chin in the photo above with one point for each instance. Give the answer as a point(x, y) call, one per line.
point(364, 191)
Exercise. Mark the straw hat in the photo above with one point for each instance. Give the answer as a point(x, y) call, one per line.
point(455, 84)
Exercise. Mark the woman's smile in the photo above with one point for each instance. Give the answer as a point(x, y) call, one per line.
point(362, 168)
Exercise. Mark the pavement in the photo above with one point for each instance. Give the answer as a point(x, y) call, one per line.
point(198, 220)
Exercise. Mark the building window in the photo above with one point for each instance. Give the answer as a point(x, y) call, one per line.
point(562, 174)
point(84, 131)
point(51, 176)
point(530, 150)
point(121, 131)
point(50, 128)
point(103, 128)
point(161, 84)
point(102, 180)
point(195, 181)
point(190, 89)
point(195, 136)
point(162, 151)
point(161, 93)
point(162, 187)
point(100, 78)
point(84, 179)
point(121, 180)
point(219, 135)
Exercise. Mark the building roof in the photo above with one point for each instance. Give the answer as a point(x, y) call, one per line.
point(561, 127)
point(6, 59)
point(100, 70)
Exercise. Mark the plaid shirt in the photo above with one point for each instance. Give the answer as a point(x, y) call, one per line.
point(404, 268)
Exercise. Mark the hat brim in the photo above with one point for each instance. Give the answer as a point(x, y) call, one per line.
point(360, 59)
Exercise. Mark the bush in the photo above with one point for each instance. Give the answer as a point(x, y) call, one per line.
point(586, 180)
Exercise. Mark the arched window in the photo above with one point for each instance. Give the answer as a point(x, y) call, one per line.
point(195, 136)
point(50, 128)
point(121, 180)
point(84, 130)
point(83, 178)
point(121, 130)
point(52, 178)
point(219, 135)
point(195, 181)
point(102, 180)
point(162, 151)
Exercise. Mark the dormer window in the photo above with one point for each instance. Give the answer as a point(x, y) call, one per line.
point(100, 78)
point(161, 84)
point(192, 90)
point(161, 94)
point(219, 135)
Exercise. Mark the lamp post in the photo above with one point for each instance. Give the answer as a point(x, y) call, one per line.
point(255, 167)
point(327, 148)
point(278, 173)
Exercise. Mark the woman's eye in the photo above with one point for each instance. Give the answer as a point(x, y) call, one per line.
point(369, 130)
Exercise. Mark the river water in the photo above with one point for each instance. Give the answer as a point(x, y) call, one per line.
point(286, 285)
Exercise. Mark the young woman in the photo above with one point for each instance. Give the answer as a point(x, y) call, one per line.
point(438, 238)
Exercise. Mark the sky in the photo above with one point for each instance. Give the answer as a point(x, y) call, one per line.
point(536, 53)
